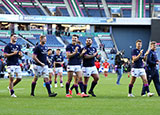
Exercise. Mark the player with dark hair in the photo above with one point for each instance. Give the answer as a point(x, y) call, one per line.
point(12, 52)
point(151, 69)
point(58, 62)
point(73, 52)
point(41, 68)
point(50, 65)
point(138, 69)
point(89, 68)
point(75, 85)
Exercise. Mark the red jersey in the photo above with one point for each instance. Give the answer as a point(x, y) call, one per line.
point(105, 64)
point(97, 64)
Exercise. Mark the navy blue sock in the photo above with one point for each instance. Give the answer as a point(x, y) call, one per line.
point(85, 89)
point(81, 86)
point(76, 88)
point(12, 91)
point(130, 88)
point(50, 81)
point(33, 85)
point(67, 88)
point(146, 87)
point(93, 85)
point(48, 87)
point(72, 87)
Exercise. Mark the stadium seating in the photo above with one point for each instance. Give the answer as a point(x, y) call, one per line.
point(4, 9)
point(34, 11)
point(64, 11)
point(119, 1)
point(126, 12)
point(155, 1)
point(51, 41)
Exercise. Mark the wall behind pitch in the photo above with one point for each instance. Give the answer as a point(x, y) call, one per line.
point(126, 36)
point(155, 30)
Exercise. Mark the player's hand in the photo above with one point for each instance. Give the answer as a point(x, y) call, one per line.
point(15, 52)
point(96, 53)
point(147, 52)
point(20, 53)
point(84, 51)
point(42, 64)
point(141, 51)
point(76, 49)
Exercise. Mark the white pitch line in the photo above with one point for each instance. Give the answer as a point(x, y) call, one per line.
point(1, 91)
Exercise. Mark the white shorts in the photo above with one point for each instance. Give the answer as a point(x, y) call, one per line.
point(74, 68)
point(88, 71)
point(41, 71)
point(105, 69)
point(50, 70)
point(137, 72)
point(58, 70)
point(14, 69)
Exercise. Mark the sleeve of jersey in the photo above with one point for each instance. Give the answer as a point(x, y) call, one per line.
point(6, 49)
point(85, 52)
point(149, 59)
point(35, 51)
point(68, 49)
point(19, 48)
point(62, 58)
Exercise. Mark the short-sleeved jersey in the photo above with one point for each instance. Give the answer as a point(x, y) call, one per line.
point(51, 60)
point(139, 62)
point(90, 51)
point(75, 60)
point(41, 52)
point(105, 64)
point(152, 59)
point(58, 58)
point(10, 48)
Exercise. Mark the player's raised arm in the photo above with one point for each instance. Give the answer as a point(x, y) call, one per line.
point(10, 54)
point(145, 56)
point(69, 55)
point(86, 56)
point(135, 58)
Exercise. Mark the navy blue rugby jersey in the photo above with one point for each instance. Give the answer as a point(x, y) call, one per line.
point(58, 58)
point(139, 62)
point(41, 52)
point(10, 48)
point(89, 62)
point(75, 60)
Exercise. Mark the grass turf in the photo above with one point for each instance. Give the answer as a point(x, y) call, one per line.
point(111, 99)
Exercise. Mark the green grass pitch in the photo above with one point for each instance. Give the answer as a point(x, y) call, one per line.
point(111, 99)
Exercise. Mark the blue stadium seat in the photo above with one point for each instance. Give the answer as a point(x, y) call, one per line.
point(94, 12)
point(155, 1)
point(34, 11)
point(119, 1)
point(126, 12)
point(64, 11)
point(6, 11)
point(107, 43)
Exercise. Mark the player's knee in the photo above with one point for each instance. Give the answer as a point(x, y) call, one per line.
point(11, 79)
point(69, 80)
point(97, 78)
point(19, 79)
